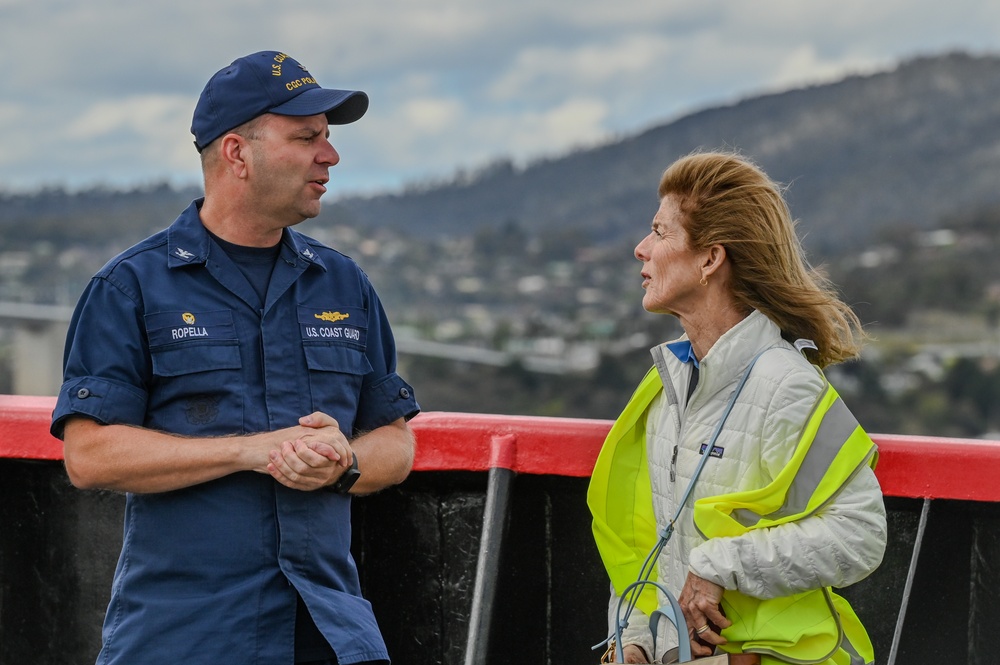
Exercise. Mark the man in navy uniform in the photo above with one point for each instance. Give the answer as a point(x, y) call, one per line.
point(235, 378)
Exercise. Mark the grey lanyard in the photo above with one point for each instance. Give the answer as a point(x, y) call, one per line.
point(673, 612)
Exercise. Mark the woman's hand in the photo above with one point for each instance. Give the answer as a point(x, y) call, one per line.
point(699, 601)
point(634, 654)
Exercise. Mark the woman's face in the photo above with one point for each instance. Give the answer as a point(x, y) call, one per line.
point(671, 271)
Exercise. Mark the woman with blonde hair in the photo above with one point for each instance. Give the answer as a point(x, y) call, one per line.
point(735, 477)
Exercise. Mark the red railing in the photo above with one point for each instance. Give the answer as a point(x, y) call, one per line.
point(909, 466)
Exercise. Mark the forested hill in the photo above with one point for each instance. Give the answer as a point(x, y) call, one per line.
point(907, 146)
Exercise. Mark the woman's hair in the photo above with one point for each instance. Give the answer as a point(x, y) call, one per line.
point(727, 200)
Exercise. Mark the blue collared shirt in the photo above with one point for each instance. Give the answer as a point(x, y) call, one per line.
point(170, 336)
point(682, 351)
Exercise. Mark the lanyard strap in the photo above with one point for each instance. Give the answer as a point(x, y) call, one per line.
point(647, 566)
point(711, 444)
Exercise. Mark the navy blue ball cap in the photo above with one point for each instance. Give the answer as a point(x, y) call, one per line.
point(267, 82)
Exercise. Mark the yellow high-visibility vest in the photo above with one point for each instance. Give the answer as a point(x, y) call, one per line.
point(812, 627)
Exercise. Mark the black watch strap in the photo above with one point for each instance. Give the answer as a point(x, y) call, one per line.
point(347, 480)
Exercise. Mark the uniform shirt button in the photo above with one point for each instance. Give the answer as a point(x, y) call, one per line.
point(83, 393)
point(404, 393)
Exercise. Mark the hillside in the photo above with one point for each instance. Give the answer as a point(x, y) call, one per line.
point(907, 146)
point(903, 146)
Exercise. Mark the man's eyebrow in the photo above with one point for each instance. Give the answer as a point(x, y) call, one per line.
point(309, 132)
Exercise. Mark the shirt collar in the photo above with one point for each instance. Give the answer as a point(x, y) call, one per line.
point(300, 246)
point(683, 351)
point(188, 242)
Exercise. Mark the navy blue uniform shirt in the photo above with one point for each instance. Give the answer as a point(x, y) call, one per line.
point(170, 336)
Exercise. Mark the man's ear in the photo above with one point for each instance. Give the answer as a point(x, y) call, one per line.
point(235, 153)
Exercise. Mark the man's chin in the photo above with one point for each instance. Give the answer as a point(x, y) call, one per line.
point(309, 212)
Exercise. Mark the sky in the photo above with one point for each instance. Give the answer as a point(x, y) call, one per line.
point(100, 92)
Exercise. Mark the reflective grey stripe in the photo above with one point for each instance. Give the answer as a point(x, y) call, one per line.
point(856, 658)
point(837, 427)
point(660, 363)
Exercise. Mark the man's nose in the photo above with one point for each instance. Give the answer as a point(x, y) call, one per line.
point(328, 155)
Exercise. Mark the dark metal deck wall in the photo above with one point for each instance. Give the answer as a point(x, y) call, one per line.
point(551, 589)
point(417, 546)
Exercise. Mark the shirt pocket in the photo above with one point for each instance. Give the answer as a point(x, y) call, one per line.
point(334, 339)
point(336, 375)
point(198, 382)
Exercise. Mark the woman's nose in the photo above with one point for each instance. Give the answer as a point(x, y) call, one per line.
point(640, 251)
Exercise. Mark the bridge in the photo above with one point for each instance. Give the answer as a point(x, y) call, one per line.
point(39, 334)
point(38, 337)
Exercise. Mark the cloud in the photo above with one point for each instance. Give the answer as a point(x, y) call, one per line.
point(129, 140)
point(431, 117)
point(548, 72)
point(435, 137)
point(104, 91)
point(143, 116)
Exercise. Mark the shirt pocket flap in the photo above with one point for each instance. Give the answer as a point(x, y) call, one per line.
point(181, 359)
point(336, 358)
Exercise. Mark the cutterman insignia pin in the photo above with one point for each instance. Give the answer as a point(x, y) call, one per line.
point(332, 317)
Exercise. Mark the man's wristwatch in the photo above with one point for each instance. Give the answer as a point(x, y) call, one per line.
point(347, 480)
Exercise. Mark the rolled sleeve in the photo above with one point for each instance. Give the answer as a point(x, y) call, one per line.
point(105, 364)
point(384, 401)
point(385, 397)
point(105, 401)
